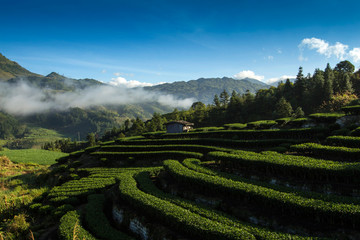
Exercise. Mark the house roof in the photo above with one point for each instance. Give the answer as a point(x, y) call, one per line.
point(185, 123)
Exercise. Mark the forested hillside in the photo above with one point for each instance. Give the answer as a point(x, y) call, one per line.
point(204, 89)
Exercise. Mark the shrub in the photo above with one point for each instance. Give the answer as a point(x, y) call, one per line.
point(326, 117)
point(352, 110)
point(293, 167)
point(324, 151)
point(97, 221)
point(264, 124)
point(175, 216)
point(70, 227)
point(322, 211)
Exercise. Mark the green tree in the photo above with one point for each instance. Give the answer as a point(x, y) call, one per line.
point(216, 101)
point(138, 126)
point(224, 98)
point(299, 112)
point(283, 108)
point(91, 139)
point(156, 123)
point(300, 87)
point(329, 79)
point(127, 124)
point(346, 83)
point(344, 67)
point(234, 99)
point(318, 88)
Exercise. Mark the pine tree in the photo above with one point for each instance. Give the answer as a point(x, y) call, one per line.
point(300, 87)
point(216, 101)
point(224, 98)
point(329, 78)
point(318, 88)
point(346, 83)
point(299, 113)
point(234, 99)
point(91, 139)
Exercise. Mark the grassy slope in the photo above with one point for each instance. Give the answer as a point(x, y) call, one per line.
point(37, 156)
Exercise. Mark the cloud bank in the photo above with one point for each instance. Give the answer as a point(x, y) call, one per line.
point(23, 99)
point(248, 74)
point(338, 50)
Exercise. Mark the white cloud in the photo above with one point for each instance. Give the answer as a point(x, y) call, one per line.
point(122, 82)
point(338, 50)
point(324, 48)
point(355, 54)
point(248, 74)
point(103, 71)
point(282, 78)
point(270, 58)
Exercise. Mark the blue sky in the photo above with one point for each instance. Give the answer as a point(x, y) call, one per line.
point(146, 42)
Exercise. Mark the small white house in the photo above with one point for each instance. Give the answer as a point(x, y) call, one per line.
point(178, 126)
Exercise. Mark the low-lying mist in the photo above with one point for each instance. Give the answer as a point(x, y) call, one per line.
point(24, 99)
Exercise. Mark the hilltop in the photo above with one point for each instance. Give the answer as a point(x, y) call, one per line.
point(10, 69)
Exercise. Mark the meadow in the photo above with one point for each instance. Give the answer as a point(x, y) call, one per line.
point(35, 156)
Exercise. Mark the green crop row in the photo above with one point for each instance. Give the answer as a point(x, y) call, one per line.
point(324, 212)
point(296, 133)
point(353, 110)
point(263, 124)
point(228, 143)
point(145, 184)
point(97, 221)
point(149, 148)
point(326, 117)
point(233, 126)
point(70, 227)
point(324, 151)
point(156, 155)
point(344, 141)
point(81, 187)
point(294, 167)
point(177, 217)
point(196, 165)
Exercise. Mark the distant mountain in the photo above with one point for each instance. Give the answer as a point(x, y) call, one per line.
point(69, 121)
point(10, 69)
point(57, 82)
point(204, 89)
point(275, 84)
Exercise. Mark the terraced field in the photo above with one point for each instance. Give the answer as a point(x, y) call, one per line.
point(222, 184)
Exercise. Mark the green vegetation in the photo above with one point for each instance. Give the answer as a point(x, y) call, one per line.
point(145, 184)
point(352, 110)
point(290, 166)
point(97, 221)
point(323, 151)
point(344, 141)
point(17, 192)
point(326, 117)
point(71, 228)
point(176, 216)
point(213, 190)
point(272, 200)
point(36, 156)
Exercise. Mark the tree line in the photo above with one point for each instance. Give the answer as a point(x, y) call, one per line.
point(324, 91)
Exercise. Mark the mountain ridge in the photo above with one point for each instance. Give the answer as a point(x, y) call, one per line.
point(204, 89)
point(10, 69)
